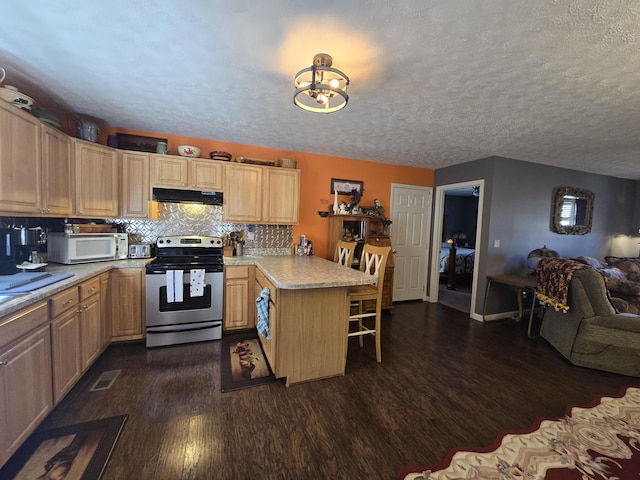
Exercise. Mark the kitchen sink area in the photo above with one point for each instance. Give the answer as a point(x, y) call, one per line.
point(5, 298)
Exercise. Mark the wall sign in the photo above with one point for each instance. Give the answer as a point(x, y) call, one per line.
point(345, 187)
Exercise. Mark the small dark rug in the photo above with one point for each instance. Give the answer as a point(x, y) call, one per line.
point(243, 363)
point(73, 452)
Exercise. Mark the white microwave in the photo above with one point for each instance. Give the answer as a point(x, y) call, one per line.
point(70, 248)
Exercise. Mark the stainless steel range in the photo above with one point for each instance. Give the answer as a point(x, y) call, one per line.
point(185, 290)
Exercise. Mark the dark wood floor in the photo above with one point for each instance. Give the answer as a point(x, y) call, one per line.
point(445, 381)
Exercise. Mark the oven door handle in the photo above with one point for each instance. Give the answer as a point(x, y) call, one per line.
point(174, 330)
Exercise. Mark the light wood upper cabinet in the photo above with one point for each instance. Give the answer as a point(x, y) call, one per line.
point(57, 164)
point(20, 187)
point(169, 171)
point(205, 174)
point(243, 193)
point(96, 177)
point(186, 173)
point(136, 185)
point(281, 196)
point(256, 194)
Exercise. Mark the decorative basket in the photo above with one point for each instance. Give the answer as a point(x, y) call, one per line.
point(286, 163)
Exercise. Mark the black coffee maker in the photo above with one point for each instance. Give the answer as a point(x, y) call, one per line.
point(7, 252)
point(27, 242)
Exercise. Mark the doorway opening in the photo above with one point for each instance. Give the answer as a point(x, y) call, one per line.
point(449, 227)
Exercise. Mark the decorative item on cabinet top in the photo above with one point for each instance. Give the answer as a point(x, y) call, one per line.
point(256, 161)
point(219, 155)
point(138, 143)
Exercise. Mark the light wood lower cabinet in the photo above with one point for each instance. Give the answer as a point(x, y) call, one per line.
point(77, 333)
point(90, 322)
point(105, 293)
point(65, 341)
point(269, 344)
point(239, 304)
point(127, 291)
point(25, 376)
point(45, 348)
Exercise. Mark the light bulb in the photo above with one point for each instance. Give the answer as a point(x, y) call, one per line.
point(321, 99)
point(334, 83)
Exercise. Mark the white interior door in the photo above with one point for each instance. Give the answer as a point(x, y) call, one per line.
point(411, 217)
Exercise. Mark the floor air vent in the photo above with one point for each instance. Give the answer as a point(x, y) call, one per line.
point(105, 381)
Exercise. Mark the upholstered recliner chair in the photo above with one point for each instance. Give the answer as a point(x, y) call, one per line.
point(590, 333)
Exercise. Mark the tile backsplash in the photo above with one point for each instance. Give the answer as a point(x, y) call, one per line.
point(185, 219)
point(191, 219)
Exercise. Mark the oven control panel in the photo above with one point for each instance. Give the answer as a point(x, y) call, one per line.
point(200, 241)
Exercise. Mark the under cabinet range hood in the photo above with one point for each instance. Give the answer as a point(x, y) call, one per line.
point(187, 196)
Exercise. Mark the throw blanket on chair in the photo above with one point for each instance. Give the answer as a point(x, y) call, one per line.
point(553, 278)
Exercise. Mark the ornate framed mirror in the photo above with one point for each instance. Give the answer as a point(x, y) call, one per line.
point(573, 211)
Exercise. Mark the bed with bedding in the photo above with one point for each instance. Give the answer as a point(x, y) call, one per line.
point(456, 264)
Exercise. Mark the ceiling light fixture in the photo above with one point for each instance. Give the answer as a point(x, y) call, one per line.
point(321, 88)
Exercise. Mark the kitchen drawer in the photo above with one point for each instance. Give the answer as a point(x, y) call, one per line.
point(264, 282)
point(240, 271)
point(90, 287)
point(21, 322)
point(63, 301)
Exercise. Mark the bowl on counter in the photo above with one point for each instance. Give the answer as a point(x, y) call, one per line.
point(188, 151)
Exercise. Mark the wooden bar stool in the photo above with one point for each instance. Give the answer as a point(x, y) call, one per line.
point(373, 262)
point(344, 253)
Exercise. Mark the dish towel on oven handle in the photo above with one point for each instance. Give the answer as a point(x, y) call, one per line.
point(196, 289)
point(174, 286)
point(262, 303)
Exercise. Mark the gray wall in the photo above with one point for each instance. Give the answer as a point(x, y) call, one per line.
point(518, 199)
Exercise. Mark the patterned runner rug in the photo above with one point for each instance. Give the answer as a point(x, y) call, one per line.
point(601, 441)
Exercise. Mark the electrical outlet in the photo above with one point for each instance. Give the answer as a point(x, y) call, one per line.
point(496, 244)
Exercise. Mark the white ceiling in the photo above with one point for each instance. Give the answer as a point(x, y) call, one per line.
point(433, 82)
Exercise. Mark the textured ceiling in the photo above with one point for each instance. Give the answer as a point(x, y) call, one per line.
point(433, 82)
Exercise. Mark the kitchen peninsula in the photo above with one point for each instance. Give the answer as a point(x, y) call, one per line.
point(308, 308)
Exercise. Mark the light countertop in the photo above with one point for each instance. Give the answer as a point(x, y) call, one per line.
point(294, 272)
point(287, 272)
point(81, 272)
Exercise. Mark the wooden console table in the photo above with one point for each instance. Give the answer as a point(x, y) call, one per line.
point(522, 284)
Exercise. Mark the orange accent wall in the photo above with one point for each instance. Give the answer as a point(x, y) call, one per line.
point(316, 172)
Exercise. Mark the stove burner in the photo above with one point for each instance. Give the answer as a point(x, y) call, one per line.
point(183, 252)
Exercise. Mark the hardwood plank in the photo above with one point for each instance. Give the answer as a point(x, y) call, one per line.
point(445, 381)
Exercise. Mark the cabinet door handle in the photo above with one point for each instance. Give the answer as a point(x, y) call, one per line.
point(84, 307)
point(67, 302)
point(92, 289)
point(3, 362)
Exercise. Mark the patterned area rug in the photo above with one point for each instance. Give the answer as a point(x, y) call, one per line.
point(243, 363)
point(601, 441)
